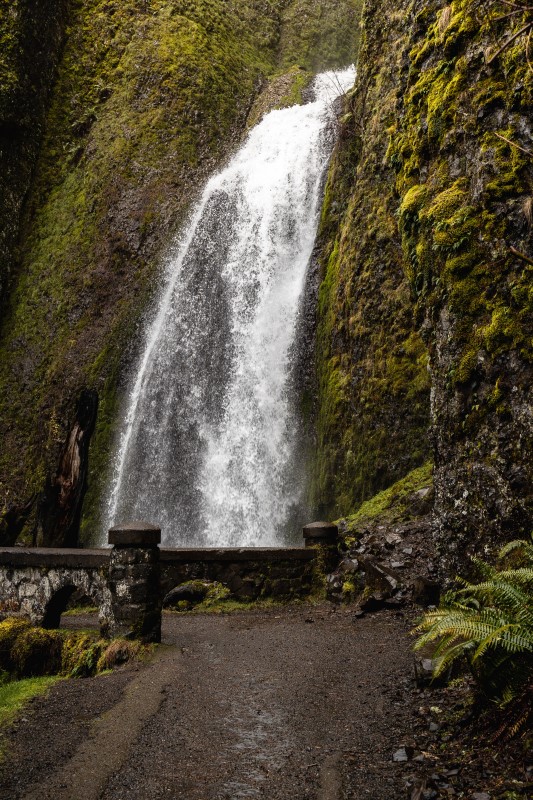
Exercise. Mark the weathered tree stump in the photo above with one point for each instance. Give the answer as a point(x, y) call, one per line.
point(60, 507)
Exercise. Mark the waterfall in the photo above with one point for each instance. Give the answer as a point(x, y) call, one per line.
point(207, 446)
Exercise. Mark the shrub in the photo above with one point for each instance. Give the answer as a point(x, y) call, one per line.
point(10, 629)
point(490, 624)
point(80, 654)
point(117, 652)
point(37, 652)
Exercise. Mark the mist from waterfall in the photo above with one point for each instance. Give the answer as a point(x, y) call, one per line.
point(208, 445)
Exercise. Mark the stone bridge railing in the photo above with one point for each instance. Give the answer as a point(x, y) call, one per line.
point(128, 581)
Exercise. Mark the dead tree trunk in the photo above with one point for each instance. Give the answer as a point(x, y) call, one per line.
point(61, 504)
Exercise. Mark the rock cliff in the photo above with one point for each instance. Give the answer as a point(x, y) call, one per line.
point(429, 254)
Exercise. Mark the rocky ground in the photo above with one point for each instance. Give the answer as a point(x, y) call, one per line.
point(291, 703)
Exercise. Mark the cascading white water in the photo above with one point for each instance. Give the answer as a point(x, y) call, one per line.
point(207, 449)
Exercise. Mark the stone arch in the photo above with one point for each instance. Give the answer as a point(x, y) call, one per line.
point(59, 587)
point(56, 605)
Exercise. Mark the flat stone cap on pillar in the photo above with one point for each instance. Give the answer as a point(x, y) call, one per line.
point(135, 534)
point(320, 533)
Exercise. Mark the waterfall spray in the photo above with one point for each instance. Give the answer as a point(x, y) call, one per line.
point(206, 447)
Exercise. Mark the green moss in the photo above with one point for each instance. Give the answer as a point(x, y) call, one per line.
point(230, 606)
point(216, 594)
point(80, 654)
point(371, 362)
point(281, 91)
point(37, 652)
point(320, 36)
point(15, 694)
point(10, 45)
point(10, 629)
point(450, 236)
point(119, 651)
point(394, 502)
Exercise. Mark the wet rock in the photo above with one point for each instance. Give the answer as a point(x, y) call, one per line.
point(392, 539)
point(348, 566)
point(423, 671)
point(373, 602)
point(396, 601)
point(193, 592)
point(403, 754)
point(334, 583)
point(426, 592)
point(380, 579)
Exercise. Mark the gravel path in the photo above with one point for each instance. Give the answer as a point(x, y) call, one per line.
point(295, 703)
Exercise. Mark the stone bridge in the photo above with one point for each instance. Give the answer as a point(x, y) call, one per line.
point(129, 580)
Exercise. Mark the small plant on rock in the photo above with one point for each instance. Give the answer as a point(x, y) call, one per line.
point(490, 624)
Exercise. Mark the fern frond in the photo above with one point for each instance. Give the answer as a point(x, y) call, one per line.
point(451, 655)
point(523, 546)
point(484, 569)
point(490, 623)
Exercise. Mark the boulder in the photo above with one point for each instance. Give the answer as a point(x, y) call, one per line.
point(192, 592)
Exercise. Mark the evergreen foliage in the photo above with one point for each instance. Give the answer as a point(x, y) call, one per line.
point(490, 623)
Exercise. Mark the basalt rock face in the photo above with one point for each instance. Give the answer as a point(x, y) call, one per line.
point(31, 39)
point(373, 383)
point(441, 138)
point(148, 99)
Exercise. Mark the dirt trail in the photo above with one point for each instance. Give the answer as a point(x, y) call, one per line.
point(291, 704)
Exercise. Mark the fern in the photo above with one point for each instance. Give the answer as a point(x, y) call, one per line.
point(490, 624)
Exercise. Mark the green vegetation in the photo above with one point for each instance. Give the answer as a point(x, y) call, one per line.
point(24, 88)
point(281, 91)
point(319, 36)
point(227, 605)
point(37, 652)
point(454, 235)
point(15, 694)
point(490, 624)
point(28, 651)
point(373, 384)
point(394, 503)
point(33, 659)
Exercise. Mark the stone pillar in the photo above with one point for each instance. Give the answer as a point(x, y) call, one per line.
point(134, 581)
point(325, 536)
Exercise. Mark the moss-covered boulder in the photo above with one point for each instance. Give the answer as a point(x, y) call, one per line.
point(37, 652)
point(10, 629)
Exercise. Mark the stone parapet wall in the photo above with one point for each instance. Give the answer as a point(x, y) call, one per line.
point(249, 573)
point(54, 557)
point(29, 585)
point(37, 582)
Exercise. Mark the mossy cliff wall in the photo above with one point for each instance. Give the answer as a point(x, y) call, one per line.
point(373, 384)
point(150, 96)
point(441, 129)
point(31, 38)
